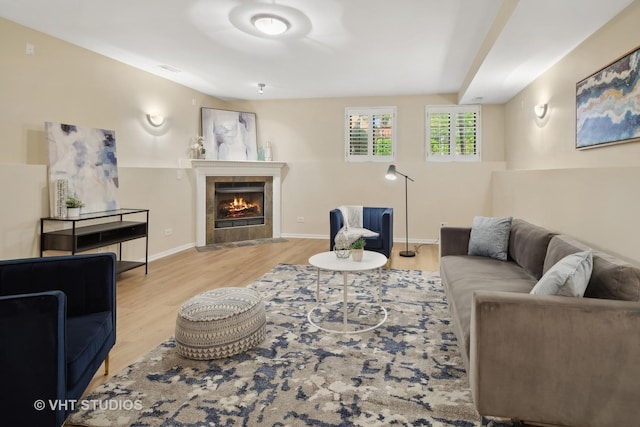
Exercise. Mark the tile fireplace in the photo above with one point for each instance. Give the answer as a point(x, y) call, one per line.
point(237, 200)
point(238, 208)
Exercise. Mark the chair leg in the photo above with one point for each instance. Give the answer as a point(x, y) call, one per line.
point(106, 365)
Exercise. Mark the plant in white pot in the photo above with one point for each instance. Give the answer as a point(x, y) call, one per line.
point(357, 249)
point(73, 206)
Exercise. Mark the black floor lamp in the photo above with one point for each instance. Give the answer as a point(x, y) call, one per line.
point(392, 174)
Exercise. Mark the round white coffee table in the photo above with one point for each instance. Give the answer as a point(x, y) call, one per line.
point(329, 261)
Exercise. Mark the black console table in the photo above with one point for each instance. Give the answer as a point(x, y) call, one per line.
point(108, 228)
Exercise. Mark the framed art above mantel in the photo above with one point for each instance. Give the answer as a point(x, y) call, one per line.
point(229, 135)
point(608, 104)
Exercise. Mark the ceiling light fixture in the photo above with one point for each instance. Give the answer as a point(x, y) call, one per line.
point(270, 25)
point(261, 88)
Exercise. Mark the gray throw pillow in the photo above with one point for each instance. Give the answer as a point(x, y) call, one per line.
point(490, 237)
point(568, 277)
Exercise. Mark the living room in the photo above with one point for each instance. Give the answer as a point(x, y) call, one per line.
point(518, 156)
point(530, 168)
point(523, 163)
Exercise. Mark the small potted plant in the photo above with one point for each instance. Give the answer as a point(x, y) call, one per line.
point(357, 249)
point(73, 206)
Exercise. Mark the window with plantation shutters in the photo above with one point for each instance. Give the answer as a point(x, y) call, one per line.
point(453, 133)
point(370, 134)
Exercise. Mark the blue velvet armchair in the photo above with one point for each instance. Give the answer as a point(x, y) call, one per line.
point(57, 325)
point(379, 220)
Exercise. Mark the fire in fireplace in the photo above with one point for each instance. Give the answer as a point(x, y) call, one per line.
point(237, 208)
point(239, 204)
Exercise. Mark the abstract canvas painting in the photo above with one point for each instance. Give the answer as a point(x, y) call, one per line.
point(608, 104)
point(86, 158)
point(229, 135)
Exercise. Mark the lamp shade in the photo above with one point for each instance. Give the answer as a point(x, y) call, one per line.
point(391, 172)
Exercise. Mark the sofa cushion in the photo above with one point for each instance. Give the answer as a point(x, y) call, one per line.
point(85, 337)
point(490, 237)
point(464, 275)
point(568, 277)
point(528, 246)
point(611, 278)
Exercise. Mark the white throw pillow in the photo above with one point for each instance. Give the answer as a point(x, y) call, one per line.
point(490, 237)
point(568, 277)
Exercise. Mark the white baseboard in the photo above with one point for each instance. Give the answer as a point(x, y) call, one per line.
point(304, 236)
point(326, 237)
point(170, 252)
point(418, 241)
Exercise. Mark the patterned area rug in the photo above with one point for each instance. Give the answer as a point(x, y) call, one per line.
point(407, 372)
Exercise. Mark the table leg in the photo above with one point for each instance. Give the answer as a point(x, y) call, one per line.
point(318, 287)
point(344, 276)
point(380, 285)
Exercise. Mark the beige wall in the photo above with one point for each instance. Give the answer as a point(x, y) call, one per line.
point(590, 194)
point(139, 188)
point(550, 143)
point(308, 134)
point(168, 193)
point(65, 83)
point(598, 206)
point(22, 191)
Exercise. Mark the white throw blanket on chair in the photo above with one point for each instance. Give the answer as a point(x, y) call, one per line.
point(353, 224)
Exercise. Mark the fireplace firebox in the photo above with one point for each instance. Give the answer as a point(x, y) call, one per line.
point(239, 204)
point(268, 178)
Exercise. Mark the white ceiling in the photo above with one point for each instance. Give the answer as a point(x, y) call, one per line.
point(484, 50)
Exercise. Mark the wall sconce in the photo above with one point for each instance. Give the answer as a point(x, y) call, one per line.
point(540, 110)
point(155, 120)
point(261, 88)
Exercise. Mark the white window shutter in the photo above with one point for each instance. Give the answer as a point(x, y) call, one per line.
point(453, 133)
point(370, 134)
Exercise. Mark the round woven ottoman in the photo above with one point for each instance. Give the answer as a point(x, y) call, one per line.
point(220, 323)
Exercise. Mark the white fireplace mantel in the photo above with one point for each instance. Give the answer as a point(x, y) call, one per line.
point(205, 168)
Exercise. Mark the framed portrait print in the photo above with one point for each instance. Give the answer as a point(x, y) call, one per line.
point(229, 135)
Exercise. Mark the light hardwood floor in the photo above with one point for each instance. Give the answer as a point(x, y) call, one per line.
point(147, 304)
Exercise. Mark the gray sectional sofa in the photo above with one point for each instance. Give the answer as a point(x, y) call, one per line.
point(545, 359)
